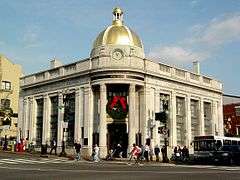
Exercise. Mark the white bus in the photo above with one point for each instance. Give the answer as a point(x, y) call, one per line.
point(204, 146)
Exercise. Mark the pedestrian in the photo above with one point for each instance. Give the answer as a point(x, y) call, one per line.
point(78, 150)
point(164, 154)
point(156, 152)
point(136, 153)
point(151, 153)
point(146, 152)
point(176, 154)
point(179, 150)
point(118, 152)
point(26, 144)
point(53, 146)
point(96, 153)
point(5, 145)
point(185, 153)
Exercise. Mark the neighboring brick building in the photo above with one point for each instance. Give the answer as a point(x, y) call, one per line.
point(9, 92)
point(231, 113)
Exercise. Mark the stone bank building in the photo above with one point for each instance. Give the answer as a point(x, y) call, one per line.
point(111, 98)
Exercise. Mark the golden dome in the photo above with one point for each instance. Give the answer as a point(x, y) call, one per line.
point(117, 33)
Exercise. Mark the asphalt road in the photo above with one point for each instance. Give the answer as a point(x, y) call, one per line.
point(20, 167)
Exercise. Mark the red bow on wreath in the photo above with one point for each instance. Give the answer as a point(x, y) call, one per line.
point(122, 101)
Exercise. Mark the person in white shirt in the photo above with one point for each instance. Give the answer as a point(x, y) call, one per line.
point(96, 153)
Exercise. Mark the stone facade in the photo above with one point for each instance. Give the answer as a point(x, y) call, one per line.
point(194, 101)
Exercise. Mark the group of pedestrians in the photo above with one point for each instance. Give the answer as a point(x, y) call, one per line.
point(147, 153)
point(139, 153)
point(180, 154)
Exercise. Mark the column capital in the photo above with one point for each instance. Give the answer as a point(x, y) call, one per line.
point(132, 87)
point(31, 99)
point(45, 96)
point(103, 87)
point(25, 101)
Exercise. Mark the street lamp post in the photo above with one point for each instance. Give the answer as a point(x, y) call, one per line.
point(63, 152)
point(64, 124)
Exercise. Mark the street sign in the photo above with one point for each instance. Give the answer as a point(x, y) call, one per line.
point(65, 124)
point(164, 131)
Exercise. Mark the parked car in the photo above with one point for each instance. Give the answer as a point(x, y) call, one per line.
point(227, 154)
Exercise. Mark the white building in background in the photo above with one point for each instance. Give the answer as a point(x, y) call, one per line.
point(112, 97)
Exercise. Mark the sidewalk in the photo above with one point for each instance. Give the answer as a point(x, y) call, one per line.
point(27, 154)
point(119, 161)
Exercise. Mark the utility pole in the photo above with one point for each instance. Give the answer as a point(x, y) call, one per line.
point(64, 123)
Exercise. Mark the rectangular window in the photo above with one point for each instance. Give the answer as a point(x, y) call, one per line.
point(6, 85)
point(180, 106)
point(82, 130)
point(5, 103)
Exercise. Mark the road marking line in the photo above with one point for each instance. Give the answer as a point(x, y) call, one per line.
point(7, 162)
point(114, 171)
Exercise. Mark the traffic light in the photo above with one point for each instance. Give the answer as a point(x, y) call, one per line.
point(161, 116)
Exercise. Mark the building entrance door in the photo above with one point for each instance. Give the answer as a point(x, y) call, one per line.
point(117, 134)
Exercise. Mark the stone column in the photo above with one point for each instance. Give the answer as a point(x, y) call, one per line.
point(214, 118)
point(145, 112)
point(156, 136)
point(46, 120)
point(60, 119)
point(173, 120)
point(88, 120)
point(102, 121)
point(142, 113)
point(220, 117)
point(25, 118)
point(131, 116)
point(188, 121)
point(78, 114)
point(32, 120)
point(20, 117)
point(201, 117)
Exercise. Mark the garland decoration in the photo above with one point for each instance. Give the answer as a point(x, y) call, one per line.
point(117, 107)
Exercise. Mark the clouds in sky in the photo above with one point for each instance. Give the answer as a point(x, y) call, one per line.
point(203, 41)
point(30, 37)
point(218, 31)
point(175, 53)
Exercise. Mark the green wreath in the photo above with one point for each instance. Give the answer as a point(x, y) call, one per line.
point(117, 107)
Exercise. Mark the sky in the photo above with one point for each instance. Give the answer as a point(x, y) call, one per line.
point(175, 32)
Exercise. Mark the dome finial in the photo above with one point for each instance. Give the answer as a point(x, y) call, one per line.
point(118, 16)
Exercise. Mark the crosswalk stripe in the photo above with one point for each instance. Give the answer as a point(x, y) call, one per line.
point(7, 162)
point(28, 161)
point(223, 168)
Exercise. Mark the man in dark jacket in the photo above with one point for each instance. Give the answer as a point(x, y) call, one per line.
point(78, 150)
point(53, 146)
point(156, 152)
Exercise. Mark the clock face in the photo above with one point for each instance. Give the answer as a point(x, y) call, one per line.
point(117, 54)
